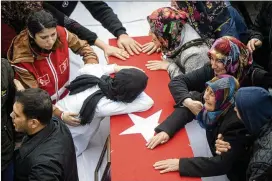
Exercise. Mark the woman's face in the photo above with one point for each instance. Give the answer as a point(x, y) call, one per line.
point(217, 65)
point(237, 112)
point(210, 100)
point(46, 38)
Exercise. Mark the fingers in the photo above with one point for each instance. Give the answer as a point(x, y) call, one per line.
point(120, 45)
point(166, 170)
point(163, 166)
point(128, 49)
point(220, 136)
point(138, 45)
point(154, 141)
point(134, 48)
point(160, 163)
point(252, 45)
point(147, 47)
point(117, 55)
point(222, 144)
point(152, 50)
point(153, 65)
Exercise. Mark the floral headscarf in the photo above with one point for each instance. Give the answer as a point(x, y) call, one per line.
point(234, 55)
point(206, 17)
point(166, 23)
point(224, 88)
point(15, 13)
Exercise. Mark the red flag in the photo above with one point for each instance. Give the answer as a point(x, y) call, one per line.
point(130, 159)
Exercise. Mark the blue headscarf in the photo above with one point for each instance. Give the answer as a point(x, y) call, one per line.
point(254, 105)
point(224, 88)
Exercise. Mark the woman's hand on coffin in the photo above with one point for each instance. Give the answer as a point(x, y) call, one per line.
point(115, 52)
point(157, 65)
point(117, 68)
point(220, 145)
point(159, 138)
point(69, 118)
point(151, 47)
point(169, 165)
point(194, 106)
point(127, 43)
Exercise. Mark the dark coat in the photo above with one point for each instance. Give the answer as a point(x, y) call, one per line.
point(260, 166)
point(47, 155)
point(182, 85)
point(7, 96)
point(262, 30)
point(99, 10)
point(233, 163)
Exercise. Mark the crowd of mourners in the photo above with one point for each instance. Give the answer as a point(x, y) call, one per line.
point(219, 63)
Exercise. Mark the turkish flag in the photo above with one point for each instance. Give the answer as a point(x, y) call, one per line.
point(130, 159)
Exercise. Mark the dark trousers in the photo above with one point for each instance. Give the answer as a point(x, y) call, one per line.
point(7, 174)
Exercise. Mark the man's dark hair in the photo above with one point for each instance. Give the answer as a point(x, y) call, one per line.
point(36, 104)
point(37, 21)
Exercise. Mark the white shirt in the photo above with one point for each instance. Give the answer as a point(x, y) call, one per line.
point(105, 107)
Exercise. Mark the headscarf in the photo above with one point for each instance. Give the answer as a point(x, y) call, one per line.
point(15, 13)
point(166, 23)
point(206, 17)
point(254, 105)
point(126, 85)
point(224, 88)
point(234, 55)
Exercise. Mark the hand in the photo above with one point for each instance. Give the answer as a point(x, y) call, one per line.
point(159, 138)
point(157, 65)
point(126, 43)
point(150, 48)
point(253, 43)
point(18, 85)
point(69, 118)
point(117, 68)
point(220, 145)
point(169, 165)
point(116, 52)
point(194, 106)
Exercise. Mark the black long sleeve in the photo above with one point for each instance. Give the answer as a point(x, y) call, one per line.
point(181, 85)
point(236, 134)
point(105, 15)
point(262, 24)
point(73, 26)
point(176, 121)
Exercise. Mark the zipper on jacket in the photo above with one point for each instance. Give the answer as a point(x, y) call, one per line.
point(8, 133)
point(55, 75)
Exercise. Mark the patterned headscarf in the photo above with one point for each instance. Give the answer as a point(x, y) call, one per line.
point(166, 23)
point(224, 88)
point(15, 13)
point(234, 55)
point(206, 17)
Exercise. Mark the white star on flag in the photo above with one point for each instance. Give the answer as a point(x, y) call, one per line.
point(145, 126)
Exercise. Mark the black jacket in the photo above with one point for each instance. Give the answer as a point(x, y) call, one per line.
point(99, 10)
point(260, 166)
point(233, 163)
point(262, 30)
point(182, 85)
point(48, 155)
point(7, 96)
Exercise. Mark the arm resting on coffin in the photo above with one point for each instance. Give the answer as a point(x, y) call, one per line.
point(107, 107)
